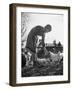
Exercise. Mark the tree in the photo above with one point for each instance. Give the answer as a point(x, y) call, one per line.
point(54, 42)
point(59, 44)
point(25, 18)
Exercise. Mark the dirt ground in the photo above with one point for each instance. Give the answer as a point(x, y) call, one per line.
point(52, 68)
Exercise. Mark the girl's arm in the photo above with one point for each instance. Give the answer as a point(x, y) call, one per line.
point(43, 38)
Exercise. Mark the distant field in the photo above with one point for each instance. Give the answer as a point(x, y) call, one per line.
point(38, 69)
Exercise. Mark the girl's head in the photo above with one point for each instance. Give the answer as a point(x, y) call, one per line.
point(47, 28)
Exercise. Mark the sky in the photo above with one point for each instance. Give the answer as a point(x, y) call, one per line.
point(55, 20)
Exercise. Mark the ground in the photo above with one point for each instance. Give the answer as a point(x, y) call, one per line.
point(52, 68)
